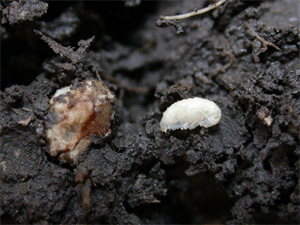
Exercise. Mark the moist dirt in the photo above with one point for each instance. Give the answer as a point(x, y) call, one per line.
point(244, 56)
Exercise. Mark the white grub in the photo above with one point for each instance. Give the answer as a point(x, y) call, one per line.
point(76, 113)
point(190, 113)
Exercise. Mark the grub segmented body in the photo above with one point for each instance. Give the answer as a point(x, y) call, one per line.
point(190, 113)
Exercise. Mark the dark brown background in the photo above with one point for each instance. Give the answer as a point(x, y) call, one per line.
point(240, 171)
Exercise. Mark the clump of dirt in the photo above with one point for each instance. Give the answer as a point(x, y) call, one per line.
point(243, 55)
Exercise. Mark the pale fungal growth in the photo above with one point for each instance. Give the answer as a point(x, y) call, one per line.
point(265, 115)
point(190, 113)
point(76, 113)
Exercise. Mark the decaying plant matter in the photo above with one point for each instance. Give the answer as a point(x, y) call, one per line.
point(77, 113)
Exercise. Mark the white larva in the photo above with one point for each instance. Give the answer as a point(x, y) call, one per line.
point(190, 113)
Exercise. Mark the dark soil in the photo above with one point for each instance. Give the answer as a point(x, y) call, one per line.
point(243, 55)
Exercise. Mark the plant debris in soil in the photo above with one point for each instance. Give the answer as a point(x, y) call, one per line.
point(243, 55)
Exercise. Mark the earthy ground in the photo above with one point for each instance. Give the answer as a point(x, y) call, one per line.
point(244, 56)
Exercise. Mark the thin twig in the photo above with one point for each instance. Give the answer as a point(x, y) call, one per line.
point(225, 52)
point(194, 13)
point(263, 42)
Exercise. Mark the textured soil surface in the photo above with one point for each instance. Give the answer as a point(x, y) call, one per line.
point(244, 56)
